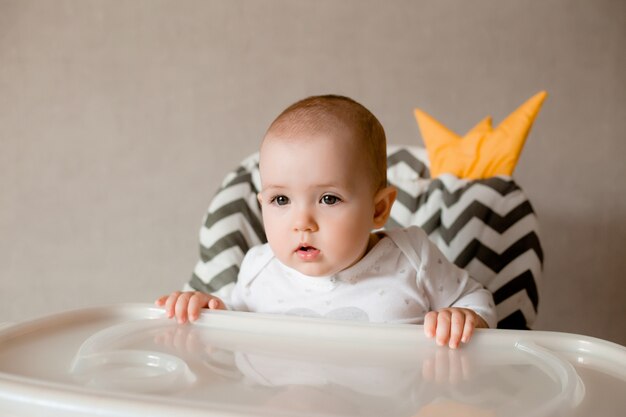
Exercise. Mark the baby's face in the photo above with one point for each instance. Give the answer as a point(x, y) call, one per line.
point(317, 201)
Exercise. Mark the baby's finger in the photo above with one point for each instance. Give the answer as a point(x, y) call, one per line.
point(196, 303)
point(443, 327)
point(430, 324)
point(170, 303)
point(457, 323)
point(468, 328)
point(181, 307)
point(161, 300)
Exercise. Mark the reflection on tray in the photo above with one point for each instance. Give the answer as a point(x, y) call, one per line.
point(157, 356)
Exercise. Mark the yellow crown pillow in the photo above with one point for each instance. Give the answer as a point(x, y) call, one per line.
point(484, 151)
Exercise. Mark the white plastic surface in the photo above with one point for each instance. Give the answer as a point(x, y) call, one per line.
point(131, 361)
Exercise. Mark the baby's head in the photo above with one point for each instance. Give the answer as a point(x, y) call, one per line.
point(342, 119)
point(324, 185)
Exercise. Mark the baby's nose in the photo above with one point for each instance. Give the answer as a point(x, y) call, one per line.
point(305, 221)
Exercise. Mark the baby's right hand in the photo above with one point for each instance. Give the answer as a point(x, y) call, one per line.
point(187, 305)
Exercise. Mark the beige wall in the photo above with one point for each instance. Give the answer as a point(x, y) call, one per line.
point(118, 120)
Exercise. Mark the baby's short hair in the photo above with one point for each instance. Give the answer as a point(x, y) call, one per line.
point(325, 113)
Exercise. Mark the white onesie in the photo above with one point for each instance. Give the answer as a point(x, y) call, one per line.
point(399, 280)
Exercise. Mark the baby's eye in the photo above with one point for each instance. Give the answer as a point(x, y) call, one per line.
point(330, 199)
point(280, 200)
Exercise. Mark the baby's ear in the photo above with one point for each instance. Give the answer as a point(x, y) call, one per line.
point(383, 200)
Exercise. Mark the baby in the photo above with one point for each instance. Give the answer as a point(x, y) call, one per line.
point(324, 191)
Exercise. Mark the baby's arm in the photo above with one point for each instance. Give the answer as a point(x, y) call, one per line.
point(452, 325)
point(459, 304)
point(187, 305)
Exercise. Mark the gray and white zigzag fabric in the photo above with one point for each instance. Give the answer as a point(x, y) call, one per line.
point(486, 226)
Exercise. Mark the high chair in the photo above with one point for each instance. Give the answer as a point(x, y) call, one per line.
point(132, 360)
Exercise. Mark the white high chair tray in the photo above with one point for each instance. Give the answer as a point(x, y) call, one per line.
point(129, 360)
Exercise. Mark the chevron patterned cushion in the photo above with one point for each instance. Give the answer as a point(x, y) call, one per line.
point(486, 226)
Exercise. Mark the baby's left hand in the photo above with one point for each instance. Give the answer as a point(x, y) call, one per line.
point(452, 325)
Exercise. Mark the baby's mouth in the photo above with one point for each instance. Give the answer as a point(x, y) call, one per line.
point(307, 253)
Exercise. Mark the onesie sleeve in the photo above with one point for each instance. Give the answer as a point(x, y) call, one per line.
point(236, 301)
point(253, 262)
point(447, 285)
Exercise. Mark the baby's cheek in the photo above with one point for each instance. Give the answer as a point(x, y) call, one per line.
point(343, 248)
point(279, 241)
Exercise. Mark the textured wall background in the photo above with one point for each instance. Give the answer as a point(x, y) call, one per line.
point(119, 119)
